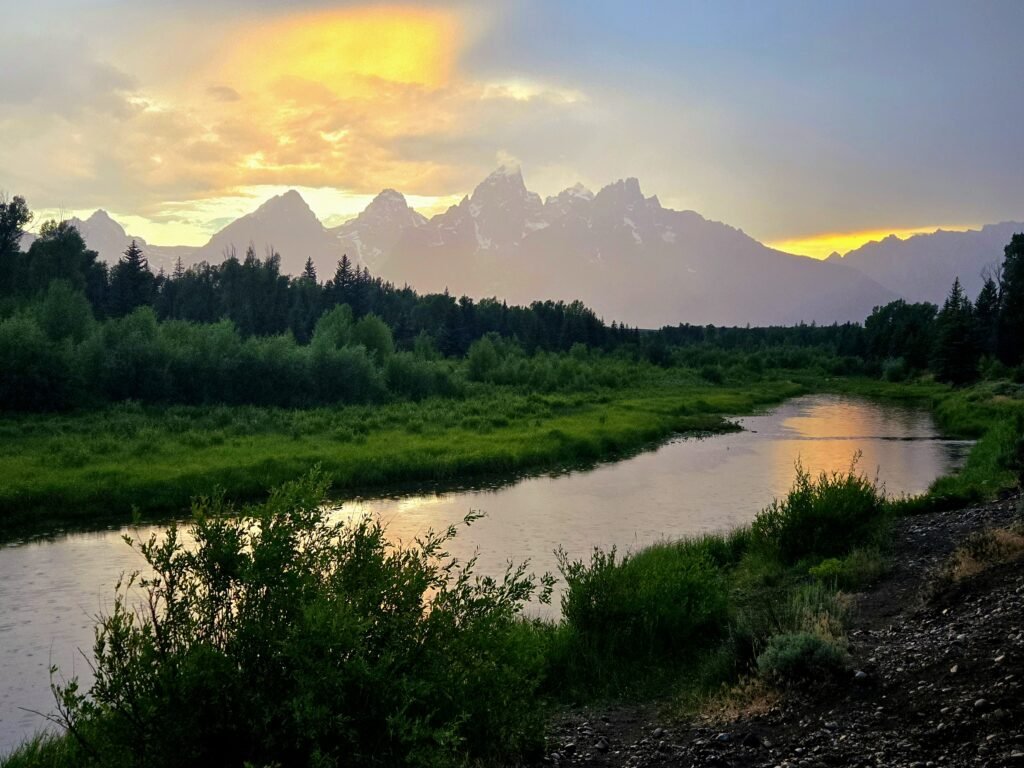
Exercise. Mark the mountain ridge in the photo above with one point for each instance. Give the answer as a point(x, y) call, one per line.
point(619, 251)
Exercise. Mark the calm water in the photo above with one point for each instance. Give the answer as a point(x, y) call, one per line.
point(50, 590)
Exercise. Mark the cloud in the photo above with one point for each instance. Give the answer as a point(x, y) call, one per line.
point(352, 100)
point(223, 93)
point(59, 76)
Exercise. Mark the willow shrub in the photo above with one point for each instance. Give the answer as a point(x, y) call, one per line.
point(821, 517)
point(282, 638)
point(666, 600)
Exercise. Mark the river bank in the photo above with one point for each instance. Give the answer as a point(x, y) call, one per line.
point(936, 676)
point(113, 466)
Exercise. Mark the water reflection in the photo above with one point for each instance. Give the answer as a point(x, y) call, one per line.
point(50, 590)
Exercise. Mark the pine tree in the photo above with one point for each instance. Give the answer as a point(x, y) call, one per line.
point(956, 351)
point(309, 271)
point(986, 317)
point(1011, 309)
point(340, 287)
point(131, 282)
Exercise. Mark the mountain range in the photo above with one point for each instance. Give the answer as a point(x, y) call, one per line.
point(617, 250)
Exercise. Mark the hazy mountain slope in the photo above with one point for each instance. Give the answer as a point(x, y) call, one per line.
point(285, 224)
point(923, 267)
point(372, 234)
point(623, 254)
point(109, 239)
point(620, 252)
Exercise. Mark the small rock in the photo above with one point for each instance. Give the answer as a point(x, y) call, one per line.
point(751, 740)
point(860, 675)
point(980, 704)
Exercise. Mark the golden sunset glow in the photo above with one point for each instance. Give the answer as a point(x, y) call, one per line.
point(823, 245)
point(348, 52)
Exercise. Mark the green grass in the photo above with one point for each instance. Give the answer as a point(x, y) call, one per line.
point(96, 467)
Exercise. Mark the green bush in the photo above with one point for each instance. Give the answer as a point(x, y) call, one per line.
point(667, 599)
point(800, 657)
point(823, 517)
point(859, 568)
point(281, 638)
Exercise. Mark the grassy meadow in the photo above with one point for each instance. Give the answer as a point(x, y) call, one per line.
point(100, 467)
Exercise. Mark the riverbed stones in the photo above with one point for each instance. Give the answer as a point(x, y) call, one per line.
point(927, 658)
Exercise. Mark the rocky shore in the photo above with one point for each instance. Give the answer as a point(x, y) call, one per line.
point(937, 679)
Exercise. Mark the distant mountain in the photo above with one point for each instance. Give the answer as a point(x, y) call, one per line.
point(923, 267)
point(619, 252)
point(285, 224)
point(374, 232)
point(109, 239)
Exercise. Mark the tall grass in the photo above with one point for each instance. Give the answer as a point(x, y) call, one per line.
point(703, 609)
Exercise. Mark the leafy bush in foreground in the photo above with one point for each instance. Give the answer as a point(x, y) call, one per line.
point(282, 638)
point(664, 600)
point(824, 517)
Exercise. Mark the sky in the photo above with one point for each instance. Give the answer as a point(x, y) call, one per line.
point(813, 126)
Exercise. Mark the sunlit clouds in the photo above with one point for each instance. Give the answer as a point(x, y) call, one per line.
point(335, 103)
point(348, 52)
point(764, 116)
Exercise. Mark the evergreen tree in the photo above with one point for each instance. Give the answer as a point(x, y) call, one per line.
point(1011, 309)
point(132, 285)
point(986, 317)
point(955, 355)
point(305, 304)
point(339, 290)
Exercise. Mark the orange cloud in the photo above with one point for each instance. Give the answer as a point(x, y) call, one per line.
point(346, 51)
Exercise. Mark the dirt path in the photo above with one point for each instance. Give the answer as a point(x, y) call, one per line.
point(938, 681)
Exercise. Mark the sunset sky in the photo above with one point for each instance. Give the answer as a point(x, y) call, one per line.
point(813, 126)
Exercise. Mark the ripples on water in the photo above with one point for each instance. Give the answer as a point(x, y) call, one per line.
point(50, 590)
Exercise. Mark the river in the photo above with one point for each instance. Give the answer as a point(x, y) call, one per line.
point(51, 589)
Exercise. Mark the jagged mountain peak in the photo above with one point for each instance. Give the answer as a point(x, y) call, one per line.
point(101, 216)
point(290, 202)
point(624, 192)
point(506, 181)
point(570, 194)
point(390, 204)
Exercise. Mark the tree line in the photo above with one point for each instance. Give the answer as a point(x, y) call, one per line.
point(74, 331)
point(252, 293)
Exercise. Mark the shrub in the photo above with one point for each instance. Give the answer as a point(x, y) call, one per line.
point(35, 373)
point(862, 566)
point(801, 656)
point(283, 638)
point(663, 600)
point(712, 374)
point(481, 359)
point(895, 369)
point(823, 517)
